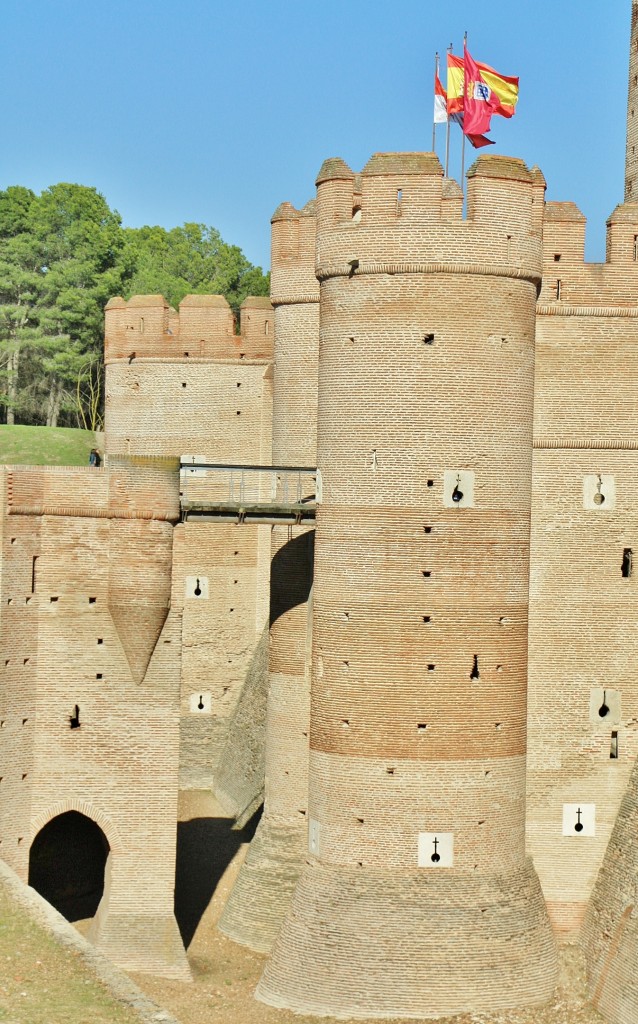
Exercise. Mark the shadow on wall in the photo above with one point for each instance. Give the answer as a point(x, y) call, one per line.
point(66, 864)
point(205, 848)
point(291, 575)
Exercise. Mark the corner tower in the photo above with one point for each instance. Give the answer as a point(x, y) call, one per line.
point(631, 156)
point(416, 899)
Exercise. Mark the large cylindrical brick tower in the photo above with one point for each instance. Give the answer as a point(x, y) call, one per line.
point(631, 156)
point(416, 899)
point(261, 896)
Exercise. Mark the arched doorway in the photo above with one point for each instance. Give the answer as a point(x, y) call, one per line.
point(66, 864)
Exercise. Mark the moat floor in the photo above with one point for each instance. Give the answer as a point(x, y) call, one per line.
point(225, 974)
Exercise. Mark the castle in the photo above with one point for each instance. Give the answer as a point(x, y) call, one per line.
point(432, 688)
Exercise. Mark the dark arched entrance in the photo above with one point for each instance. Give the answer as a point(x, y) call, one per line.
point(66, 864)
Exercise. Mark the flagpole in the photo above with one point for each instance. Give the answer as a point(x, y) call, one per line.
point(436, 73)
point(447, 134)
point(463, 132)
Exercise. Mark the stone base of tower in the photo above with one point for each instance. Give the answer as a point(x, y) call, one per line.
point(148, 943)
point(261, 896)
point(363, 943)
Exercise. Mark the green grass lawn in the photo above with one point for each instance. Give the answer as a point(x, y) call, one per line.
point(45, 446)
point(42, 982)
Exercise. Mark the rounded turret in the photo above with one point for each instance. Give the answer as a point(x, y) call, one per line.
point(418, 713)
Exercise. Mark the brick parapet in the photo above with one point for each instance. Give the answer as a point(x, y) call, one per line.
point(569, 283)
point(204, 328)
point(403, 218)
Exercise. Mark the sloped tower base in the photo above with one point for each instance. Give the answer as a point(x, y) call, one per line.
point(263, 891)
point(610, 931)
point(149, 943)
point(366, 943)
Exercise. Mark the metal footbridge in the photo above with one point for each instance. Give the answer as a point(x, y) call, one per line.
point(222, 492)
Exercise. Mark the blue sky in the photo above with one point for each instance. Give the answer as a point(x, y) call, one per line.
point(212, 111)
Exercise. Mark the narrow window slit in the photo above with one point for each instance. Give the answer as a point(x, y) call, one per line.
point(627, 560)
point(613, 749)
point(475, 674)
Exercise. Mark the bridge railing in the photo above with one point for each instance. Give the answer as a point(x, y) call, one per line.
point(208, 487)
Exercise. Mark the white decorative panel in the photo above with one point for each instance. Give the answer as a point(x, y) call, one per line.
point(604, 706)
point(579, 820)
point(436, 850)
point(599, 492)
point(201, 703)
point(197, 587)
point(458, 488)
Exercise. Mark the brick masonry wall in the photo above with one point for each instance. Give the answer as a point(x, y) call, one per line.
point(631, 156)
point(262, 892)
point(420, 604)
point(85, 621)
point(187, 384)
point(582, 609)
point(610, 932)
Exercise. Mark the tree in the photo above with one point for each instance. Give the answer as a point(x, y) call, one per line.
point(63, 255)
point(192, 259)
point(61, 258)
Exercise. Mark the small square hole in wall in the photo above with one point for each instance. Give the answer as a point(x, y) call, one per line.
point(421, 726)
point(92, 600)
point(13, 540)
point(99, 675)
point(54, 599)
point(100, 640)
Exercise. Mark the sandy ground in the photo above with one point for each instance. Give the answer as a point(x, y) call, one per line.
point(225, 974)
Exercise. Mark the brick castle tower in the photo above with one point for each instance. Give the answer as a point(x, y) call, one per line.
point(261, 895)
point(416, 898)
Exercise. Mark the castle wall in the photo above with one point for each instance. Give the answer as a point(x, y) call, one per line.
point(187, 384)
point(583, 611)
point(417, 736)
point(87, 636)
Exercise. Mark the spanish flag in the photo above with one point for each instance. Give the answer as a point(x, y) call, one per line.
point(504, 87)
point(455, 83)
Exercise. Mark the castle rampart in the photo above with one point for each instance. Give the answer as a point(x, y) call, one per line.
point(583, 701)
point(185, 383)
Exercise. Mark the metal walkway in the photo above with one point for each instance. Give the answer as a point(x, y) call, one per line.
point(220, 492)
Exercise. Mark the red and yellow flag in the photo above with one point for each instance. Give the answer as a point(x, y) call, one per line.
point(504, 87)
point(455, 83)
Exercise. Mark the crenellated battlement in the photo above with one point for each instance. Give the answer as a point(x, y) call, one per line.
point(407, 216)
point(293, 242)
point(146, 327)
point(569, 282)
